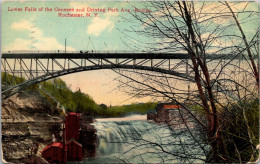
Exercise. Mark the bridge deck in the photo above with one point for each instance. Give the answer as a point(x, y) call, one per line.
point(104, 54)
point(83, 55)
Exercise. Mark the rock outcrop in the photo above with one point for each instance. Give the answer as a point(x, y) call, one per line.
point(88, 137)
point(29, 122)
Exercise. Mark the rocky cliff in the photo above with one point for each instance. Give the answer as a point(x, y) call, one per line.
point(30, 120)
point(88, 137)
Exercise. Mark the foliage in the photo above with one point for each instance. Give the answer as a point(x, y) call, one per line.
point(8, 79)
point(81, 102)
point(241, 130)
point(132, 108)
point(78, 101)
point(72, 101)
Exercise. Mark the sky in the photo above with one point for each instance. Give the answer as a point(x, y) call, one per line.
point(45, 30)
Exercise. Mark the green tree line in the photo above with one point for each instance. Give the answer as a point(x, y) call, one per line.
point(78, 101)
point(82, 102)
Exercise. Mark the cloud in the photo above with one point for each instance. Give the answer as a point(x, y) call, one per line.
point(222, 11)
point(18, 44)
point(243, 6)
point(37, 40)
point(51, 43)
point(99, 25)
point(42, 43)
point(23, 25)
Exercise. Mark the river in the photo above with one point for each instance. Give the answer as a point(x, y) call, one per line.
point(133, 139)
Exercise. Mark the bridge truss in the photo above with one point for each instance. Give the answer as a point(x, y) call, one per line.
point(36, 67)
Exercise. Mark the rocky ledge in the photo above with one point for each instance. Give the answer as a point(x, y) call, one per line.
point(29, 123)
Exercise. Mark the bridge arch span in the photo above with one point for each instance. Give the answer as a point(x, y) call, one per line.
point(19, 87)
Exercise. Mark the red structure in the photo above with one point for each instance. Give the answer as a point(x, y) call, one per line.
point(164, 112)
point(74, 152)
point(55, 153)
point(70, 149)
point(72, 126)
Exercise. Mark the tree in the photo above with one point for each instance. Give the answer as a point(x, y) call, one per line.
point(103, 106)
point(194, 28)
point(248, 47)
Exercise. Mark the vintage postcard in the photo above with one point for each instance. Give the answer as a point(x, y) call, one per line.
point(129, 81)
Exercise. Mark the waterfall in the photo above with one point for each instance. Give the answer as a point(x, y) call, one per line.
point(138, 141)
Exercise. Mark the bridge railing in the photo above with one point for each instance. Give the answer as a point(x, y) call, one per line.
point(71, 52)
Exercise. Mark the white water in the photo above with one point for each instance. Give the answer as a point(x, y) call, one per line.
point(128, 118)
point(129, 140)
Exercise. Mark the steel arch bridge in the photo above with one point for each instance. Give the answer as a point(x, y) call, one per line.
point(38, 66)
